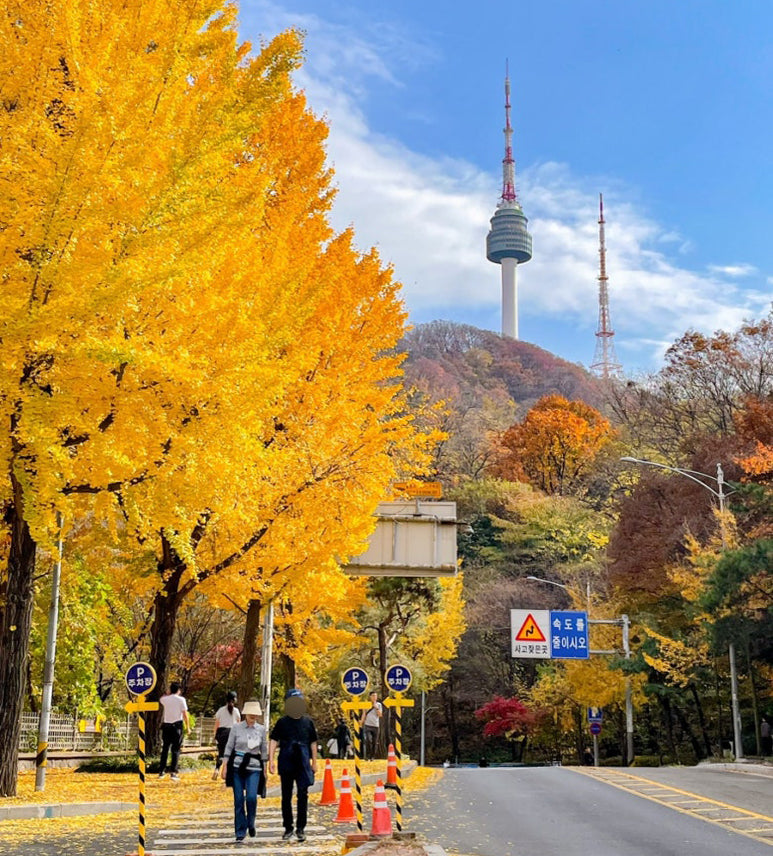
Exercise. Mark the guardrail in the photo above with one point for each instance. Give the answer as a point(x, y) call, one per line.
point(74, 734)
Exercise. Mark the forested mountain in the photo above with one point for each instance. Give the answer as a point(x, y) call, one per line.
point(461, 359)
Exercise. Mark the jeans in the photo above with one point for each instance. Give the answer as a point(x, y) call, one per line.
point(172, 737)
point(245, 800)
point(288, 780)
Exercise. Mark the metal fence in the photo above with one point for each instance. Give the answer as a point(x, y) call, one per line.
point(74, 734)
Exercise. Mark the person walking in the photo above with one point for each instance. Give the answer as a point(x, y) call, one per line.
point(175, 717)
point(226, 717)
point(296, 737)
point(370, 722)
point(246, 750)
point(765, 738)
point(343, 738)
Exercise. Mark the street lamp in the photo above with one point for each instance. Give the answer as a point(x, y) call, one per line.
point(625, 623)
point(565, 588)
point(720, 494)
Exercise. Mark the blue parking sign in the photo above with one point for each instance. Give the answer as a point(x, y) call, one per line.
point(398, 679)
point(355, 681)
point(140, 678)
point(569, 635)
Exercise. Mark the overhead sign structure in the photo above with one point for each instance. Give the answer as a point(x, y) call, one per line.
point(549, 634)
point(355, 681)
point(412, 538)
point(140, 678)
point(398, 679)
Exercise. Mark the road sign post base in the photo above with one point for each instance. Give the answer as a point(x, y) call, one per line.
point(404, 836)
point(355, 840)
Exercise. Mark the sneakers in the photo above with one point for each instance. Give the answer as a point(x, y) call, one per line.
point(301, 835)
point(162, 775)
point(239, 840)
point(175, 777)
point(288, 834)
point(251, 832)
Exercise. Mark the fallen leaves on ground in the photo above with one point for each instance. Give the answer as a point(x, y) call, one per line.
point(166, 800)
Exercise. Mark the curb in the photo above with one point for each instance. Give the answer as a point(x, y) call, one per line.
point(48, 810)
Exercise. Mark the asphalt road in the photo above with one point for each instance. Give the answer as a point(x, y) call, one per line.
point(541, 811)
point(555, 811)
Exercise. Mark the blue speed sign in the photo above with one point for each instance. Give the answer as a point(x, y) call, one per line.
point(355, 681)
point(398, 679)
point(140, 678)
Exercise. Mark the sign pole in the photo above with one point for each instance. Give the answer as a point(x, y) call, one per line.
point(141, 768)
point(398, 703)
point(140, 680)
point(398, 678)
point(353, 707)
point(355, 683)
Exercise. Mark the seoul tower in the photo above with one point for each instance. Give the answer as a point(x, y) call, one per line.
point(508, 243)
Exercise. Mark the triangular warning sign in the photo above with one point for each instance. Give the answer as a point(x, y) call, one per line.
point(530, 631)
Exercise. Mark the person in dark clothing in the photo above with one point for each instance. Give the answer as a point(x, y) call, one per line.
point(343, 738)
point(296, 737)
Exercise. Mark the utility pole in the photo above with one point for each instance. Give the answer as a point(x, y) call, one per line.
point(41, 760)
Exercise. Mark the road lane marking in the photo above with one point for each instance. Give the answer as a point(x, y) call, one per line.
point(637, 785)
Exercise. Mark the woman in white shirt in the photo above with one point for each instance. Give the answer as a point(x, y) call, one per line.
point(227, 716)
point(245, 752)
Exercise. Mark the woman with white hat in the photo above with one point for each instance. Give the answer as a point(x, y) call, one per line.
point(245, 751)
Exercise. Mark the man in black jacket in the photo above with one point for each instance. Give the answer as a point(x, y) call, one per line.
point(296, 737)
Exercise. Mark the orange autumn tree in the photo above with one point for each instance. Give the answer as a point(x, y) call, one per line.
point(555, 444)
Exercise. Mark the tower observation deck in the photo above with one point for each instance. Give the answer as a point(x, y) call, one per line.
point(509, 243)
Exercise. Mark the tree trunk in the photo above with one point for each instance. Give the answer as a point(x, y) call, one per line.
point(247, 680)
point(166, 607)
point(15, 621)
point(702, 721)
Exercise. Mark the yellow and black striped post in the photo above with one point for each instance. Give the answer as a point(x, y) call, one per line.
point(398, 703)
point(139, 707)
point(354, 707)
point(141, 768)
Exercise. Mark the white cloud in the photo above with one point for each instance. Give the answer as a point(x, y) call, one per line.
point(429, 217)
point(733, 270)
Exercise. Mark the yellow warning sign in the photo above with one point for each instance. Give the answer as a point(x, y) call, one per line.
point(530, 631)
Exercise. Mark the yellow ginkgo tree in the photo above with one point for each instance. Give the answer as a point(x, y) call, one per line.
point(188, 352)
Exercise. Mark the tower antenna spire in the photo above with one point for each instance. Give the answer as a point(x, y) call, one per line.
point(508, 162)
point(508, 243)
point(604, 363)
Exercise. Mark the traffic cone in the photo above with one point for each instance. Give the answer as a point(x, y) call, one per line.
point(328, 786)
point(346, 813)
point(391, 781)
point(382, 816)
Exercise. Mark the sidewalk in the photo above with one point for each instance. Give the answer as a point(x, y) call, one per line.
point(51, 810)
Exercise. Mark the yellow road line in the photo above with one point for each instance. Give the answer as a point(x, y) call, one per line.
point(628, 782)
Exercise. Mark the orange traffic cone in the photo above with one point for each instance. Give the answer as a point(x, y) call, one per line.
point(382, 816)
point(328, 786)
point(391, 781)
point(346, 812)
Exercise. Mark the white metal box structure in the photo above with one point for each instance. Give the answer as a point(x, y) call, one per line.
point(413, 538)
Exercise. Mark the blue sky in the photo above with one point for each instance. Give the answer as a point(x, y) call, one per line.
point(665, 106)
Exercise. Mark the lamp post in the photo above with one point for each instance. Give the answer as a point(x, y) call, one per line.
point(720, 494)
point(623, 621)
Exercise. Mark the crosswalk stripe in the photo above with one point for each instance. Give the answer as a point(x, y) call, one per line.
point(222, 839)
point(249, 848)
point(261, 830)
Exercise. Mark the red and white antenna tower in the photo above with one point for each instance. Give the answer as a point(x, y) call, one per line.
point(604, 363)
